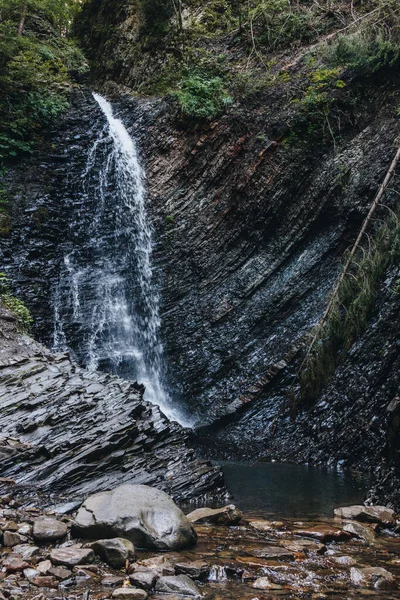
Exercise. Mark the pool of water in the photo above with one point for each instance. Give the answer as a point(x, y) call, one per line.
point(290, 491)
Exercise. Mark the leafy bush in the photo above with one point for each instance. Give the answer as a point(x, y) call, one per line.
point(361, 52)
point(202, 97)
point(16, 306)
point(35, 74)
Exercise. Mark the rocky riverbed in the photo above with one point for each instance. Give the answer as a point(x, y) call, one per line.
point(355, 554)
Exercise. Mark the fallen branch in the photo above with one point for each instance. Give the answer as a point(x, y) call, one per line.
point(349, 260)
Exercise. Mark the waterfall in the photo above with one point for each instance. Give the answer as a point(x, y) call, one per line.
point(106, 305)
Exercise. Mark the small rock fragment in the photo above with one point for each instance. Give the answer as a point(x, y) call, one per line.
point(178, 584)
point(144, 580)
point(31, 573)
point(114, 552)
point(227, 515)
point(14, 564)
point(372, 577)
point(26, 551)
point(11, 538)
point(361, 531)
point(196, 569)
point(60, 573)
point(263, 583)
point(345, 561)
point(44, 566)
point(112, 581)
point(46, 582)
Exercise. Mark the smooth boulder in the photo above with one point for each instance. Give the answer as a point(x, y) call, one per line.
point(145, 516)
point(115, 552)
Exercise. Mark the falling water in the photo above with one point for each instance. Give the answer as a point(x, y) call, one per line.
point(106, 291)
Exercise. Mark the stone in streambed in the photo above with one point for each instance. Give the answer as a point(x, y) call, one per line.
point(144, 580)
point(303, 545)
point(273, 553)
point(178, 584)
point(263, 583)
point(10, 539)
point(266, 526)
point(147, 517)
point(14, 564)
point(45, 581)
point(47, 529)
point(324, 533)
point(343, 561)
point(370, 514)
point(196, 569)
point(372, 577)
point(160, 564)
point(131, 593)
point(60, 573)
point(71, 556)
point(227, 515)
point(25, 551)
point(115, 552)
point(366, 534)
point(31, 573)
point(112, 581)
point(44, 566)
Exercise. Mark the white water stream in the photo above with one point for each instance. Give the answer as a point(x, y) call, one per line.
point(108, 289)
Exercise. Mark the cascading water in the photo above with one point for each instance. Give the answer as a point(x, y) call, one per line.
point(106, 297)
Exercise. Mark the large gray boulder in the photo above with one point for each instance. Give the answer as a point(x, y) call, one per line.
point(147, 517)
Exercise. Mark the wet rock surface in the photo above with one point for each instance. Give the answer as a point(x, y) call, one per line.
point(115, 552)
point(65, 428)
point(249, 239)
point(228, 515)
point(145, 516)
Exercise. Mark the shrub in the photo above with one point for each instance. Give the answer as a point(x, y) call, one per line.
point(16, 306)
point(35, 76)
point(202, 97)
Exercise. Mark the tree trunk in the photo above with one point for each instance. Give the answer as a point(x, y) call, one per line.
point(22, 19)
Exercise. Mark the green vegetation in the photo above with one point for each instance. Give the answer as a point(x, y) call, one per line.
point(16, 306)
point(202, 97)
point(37, 64)
point(352, 306)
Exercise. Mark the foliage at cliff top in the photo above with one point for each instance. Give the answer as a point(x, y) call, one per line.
point(37, 66)
point(181, 46)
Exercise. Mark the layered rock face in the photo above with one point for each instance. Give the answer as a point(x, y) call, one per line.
point(67, 430)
